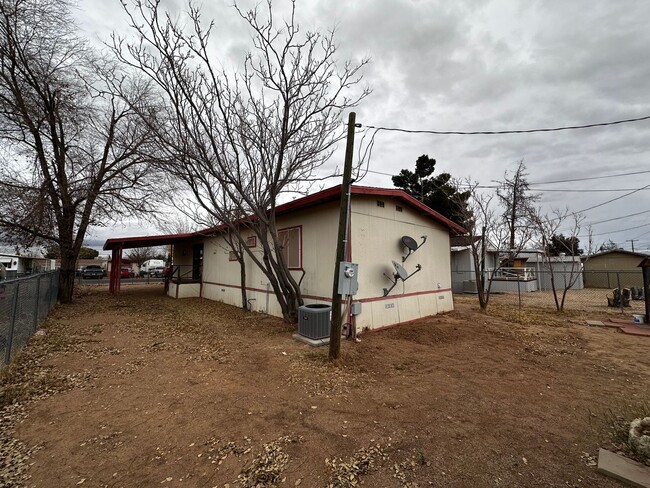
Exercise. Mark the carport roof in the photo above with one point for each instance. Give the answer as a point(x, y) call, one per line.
point(148, 241)
point(299, 204)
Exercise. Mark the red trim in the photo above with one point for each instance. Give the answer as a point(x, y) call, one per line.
point(403, 295)
point(329, 299)
point(315, 297)
point(402, 195)
point(299, 204)
point(263, 290)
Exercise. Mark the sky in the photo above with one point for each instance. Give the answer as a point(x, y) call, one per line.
point(479, 66)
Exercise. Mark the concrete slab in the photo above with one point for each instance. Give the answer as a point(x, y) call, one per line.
point(612, 326)
point(636, 330)
point(621, 321)
point(623, 469)
point(311, 342)
point(597, 323)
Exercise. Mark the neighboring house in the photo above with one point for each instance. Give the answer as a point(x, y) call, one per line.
point(379, 219)
point(567, 270)
point(463, 277)
point(82, 263)
point(605, 269)
point(19, 265)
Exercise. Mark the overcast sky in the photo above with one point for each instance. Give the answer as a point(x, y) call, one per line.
point(474, 66)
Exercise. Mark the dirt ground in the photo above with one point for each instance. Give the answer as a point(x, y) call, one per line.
point(143, 390)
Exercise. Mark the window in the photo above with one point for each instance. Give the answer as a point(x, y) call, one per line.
point(291, 246)
point(380, 204)
point(251, 241)
point(232, 256)
point(398, 208)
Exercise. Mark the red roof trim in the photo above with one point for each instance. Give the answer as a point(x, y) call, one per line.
point(299, 204)
point(402, 195)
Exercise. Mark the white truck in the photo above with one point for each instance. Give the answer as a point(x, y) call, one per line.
point(149, 265)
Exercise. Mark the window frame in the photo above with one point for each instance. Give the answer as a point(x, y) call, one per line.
point(300, 244)
point(251, 241)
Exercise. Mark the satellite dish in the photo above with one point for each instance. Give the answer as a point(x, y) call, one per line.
point(410, 243)
point(400, 271)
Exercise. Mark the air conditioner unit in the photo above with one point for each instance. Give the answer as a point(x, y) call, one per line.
point(314, 320)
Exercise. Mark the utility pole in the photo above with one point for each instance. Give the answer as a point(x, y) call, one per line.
point(632, 241)
point(341, 245)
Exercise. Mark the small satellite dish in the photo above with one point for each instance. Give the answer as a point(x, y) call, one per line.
point(410, 243)
point(400, 271)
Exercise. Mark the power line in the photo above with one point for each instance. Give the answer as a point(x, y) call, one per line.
point(519, 131)
point(590, 178)
point(610, 201)
point(618, 218)
point(583, 190)
point(571, 180)
point(615, 231)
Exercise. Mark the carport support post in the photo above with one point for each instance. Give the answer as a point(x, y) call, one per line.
point(341, 245)
point(116, 268)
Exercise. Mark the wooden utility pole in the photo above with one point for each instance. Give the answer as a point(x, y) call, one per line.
point(632, 241)
point(341, 245)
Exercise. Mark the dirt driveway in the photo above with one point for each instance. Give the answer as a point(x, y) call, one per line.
point(143, 390)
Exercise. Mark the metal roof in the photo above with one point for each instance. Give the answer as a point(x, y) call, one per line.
point(293, 206)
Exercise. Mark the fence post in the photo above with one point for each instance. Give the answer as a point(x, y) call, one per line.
point(54, 290)
point(12, 322)
point(37, 301)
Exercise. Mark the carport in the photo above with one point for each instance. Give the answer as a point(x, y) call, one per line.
point(117, 245)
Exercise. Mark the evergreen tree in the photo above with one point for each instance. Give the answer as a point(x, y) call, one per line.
point(436, 192)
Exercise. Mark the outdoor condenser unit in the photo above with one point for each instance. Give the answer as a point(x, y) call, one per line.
point(314, 320)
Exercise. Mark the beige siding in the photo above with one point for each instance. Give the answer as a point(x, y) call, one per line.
point(376, 242)
point(318, 240)
point(605, 271)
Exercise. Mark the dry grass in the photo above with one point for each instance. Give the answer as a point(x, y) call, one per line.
point(539, 307)
point(613, 426)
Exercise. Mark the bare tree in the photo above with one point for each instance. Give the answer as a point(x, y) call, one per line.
point(74, 151)
point(140, 254)
point(489, 233)
point(238, 141)
point(518, 207)
point(548, 226)
point(485, 232)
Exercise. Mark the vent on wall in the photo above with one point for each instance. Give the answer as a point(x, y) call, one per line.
point(380, 204)
point(398, 208)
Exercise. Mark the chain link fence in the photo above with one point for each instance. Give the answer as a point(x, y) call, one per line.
point(24, 304)
point(597, 292)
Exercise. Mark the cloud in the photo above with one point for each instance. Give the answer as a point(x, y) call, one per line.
point(469, 65)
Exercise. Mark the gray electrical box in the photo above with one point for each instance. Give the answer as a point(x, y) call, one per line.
point(348, 284)
point(356, 308)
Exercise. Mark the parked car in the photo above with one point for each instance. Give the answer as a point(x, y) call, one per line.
point(157, 272)
point(126, 273)
point(93, 271)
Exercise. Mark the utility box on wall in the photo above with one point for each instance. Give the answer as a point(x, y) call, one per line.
point(348, 281)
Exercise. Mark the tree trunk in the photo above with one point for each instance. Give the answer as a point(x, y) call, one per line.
point(242, 274)
point(67, 275)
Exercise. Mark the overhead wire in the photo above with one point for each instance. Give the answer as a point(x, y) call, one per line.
point(615, 231)
point(366, 155)
point(517, 131)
